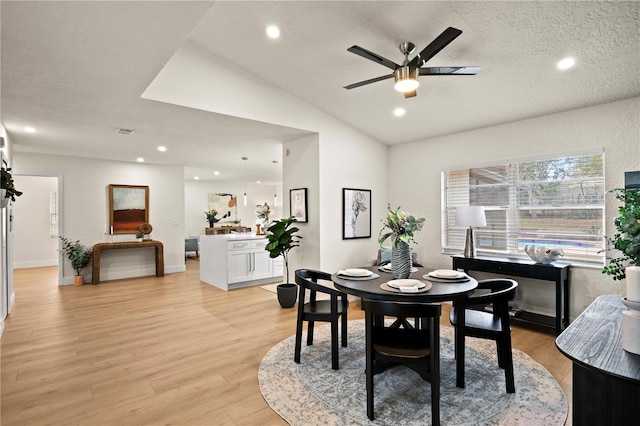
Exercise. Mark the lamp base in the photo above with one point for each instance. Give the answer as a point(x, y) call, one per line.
point(469, 246)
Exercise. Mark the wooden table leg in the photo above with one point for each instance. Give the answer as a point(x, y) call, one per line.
point(459, 345)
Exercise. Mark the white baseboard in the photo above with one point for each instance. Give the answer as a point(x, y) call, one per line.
point(35, 264)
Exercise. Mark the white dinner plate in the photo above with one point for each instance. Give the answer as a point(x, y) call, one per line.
point(354, 272)
point(387, 268)
point(446, 273)
point(452, 277)
point(405, 283)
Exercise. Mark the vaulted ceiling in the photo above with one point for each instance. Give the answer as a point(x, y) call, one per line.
point(76, 71)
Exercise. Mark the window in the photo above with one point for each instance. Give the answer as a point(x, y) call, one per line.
point(552, 202)
point(53, 214)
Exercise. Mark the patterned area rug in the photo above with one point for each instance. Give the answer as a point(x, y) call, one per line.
point(311, 393)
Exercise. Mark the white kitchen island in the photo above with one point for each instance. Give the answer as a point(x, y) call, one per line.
point(231, 261)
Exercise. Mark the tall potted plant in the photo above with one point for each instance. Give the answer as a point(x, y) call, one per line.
point(78, 255)
point(401, 227)
point(626, 240)
point(282, 239)
point(9, 191)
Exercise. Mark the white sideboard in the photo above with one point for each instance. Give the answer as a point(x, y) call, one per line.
point(237, 260)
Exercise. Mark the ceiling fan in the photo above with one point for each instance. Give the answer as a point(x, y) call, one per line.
point(406, 75)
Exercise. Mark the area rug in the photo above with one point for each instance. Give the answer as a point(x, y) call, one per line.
point(311, 393)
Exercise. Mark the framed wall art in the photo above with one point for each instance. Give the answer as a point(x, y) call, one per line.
point(128, 208)
point(298, 204)
point(356, 213)
point(225, 205)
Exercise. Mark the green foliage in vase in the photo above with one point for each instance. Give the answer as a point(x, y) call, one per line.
point(282, 239)
point(627, 238)
point(8, 185)
point(211, 217)
point(401, 226)
point(78, 255)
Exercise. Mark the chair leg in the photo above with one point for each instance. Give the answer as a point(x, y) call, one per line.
point(459, 347)
point(310, 333)
point(501, 352)
point(296, 352)
point(369, 368)
point(344, 329)
point(435, 370)
point(334, 344)
point(508, 364)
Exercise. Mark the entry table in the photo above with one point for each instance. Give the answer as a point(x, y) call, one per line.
point(98, 248)
point(558, 272)
point(606, 378)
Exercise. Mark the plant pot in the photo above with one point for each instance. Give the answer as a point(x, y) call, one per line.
point(401, 260)
point(287, 294)
point(78, 280)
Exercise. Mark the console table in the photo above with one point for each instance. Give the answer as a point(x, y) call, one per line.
point(606, 378)
point(99, 247)
point(558, 272)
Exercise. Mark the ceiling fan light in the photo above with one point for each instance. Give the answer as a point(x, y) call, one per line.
point(406, 79)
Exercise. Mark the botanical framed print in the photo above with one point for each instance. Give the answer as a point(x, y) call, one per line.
point(298, 204)
point(225, 205)
point(128, 208)
point(356, 213)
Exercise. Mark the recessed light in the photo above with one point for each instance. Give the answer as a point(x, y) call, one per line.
point(196, 178)
point(257, 181)
point(566, 63)
point(162, 148)
point(140, 160)
point(216, 173)
point(29, 130)
point(273, 31)
point(399, 112)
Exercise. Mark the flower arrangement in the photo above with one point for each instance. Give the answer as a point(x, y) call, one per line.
point(211, 217)
point(8, 185)
point(627, 238)
point(264, 211)
point(401, 225)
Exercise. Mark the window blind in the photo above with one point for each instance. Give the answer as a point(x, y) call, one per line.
point(552, 202)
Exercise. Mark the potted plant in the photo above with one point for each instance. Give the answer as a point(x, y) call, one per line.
point(401, 229)
point(139, 236)
point(282, 239)
point(211, 217)
point(627, 238)
point(78, 255)
point(9, 191)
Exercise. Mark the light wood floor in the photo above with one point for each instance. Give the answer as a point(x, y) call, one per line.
point(152, 351)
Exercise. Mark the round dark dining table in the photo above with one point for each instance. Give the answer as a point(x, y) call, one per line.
point(439, 292)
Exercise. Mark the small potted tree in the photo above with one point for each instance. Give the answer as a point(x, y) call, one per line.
point(282, 239)
point(78, 255)
point(9, 191)
point(626, 240)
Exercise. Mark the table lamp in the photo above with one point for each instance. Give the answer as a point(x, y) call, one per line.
point(470, 216)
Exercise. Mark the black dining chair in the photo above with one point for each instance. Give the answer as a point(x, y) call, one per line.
point(388, 345)
point(488, 325)
point(320, 310)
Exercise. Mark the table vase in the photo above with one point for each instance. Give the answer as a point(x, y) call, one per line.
point(401, 260)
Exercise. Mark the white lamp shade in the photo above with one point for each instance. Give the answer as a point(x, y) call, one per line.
point(470, 216)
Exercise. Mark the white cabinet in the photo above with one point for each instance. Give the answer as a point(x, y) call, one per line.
point(247, 261)
point(230, 262)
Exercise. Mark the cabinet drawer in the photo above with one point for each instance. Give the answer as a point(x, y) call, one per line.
point(238, 245)
point(259, 244)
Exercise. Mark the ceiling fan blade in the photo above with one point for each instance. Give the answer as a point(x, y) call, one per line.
point(410, 94)
point(373, 57)
point(449, 70)
point(435, 46)
point(373, 80)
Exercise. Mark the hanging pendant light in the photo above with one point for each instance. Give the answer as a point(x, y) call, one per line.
point(245, 181)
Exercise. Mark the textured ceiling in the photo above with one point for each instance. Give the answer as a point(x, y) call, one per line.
point(76, 70)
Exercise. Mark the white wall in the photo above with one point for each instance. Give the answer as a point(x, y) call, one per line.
point(346, 158)
point(33, 245)
point(196, 202)
point(415, 173)
point(84, 208)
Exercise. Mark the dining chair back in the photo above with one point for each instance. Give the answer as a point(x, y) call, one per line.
point(320, 310)
point(492, 325)
point(396, 342)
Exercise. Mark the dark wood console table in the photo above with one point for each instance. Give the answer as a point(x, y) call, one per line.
point(558, 272)
point(98, 248)
point(606, 378)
